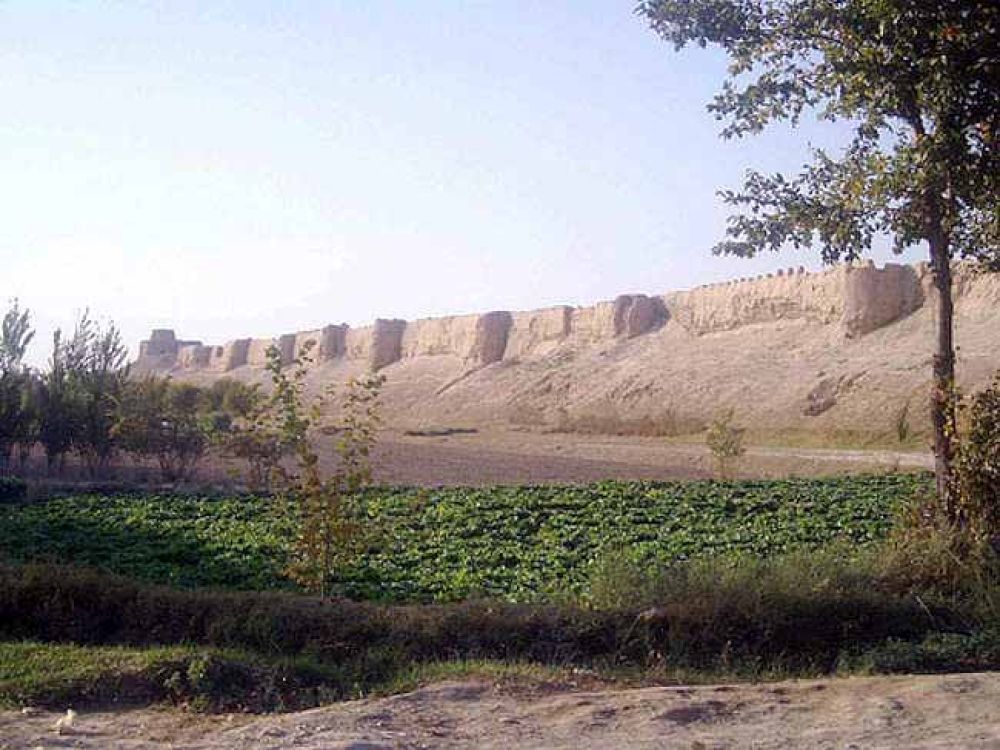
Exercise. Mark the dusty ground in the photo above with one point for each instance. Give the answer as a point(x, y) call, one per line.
point(953, 711)
point(525, 457)
point(521, 456)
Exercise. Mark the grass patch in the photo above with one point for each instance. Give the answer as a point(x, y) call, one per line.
point(59, 676)
point(804, 614)
point(760, 619)
point(841, 440)
point(975, 651)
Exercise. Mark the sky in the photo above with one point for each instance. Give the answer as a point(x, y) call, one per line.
point(235, 169)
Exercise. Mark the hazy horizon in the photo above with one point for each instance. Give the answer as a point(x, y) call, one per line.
point(242, 170)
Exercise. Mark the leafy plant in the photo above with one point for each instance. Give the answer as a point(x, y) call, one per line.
point(326, 533)
point(902, 423)
point(725, 440)
point(443, 544)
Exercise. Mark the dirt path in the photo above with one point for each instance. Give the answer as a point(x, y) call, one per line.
point(951, 711)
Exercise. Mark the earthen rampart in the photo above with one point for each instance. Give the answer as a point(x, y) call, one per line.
point(856, 299)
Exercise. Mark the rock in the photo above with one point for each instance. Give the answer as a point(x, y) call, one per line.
point(64, 724)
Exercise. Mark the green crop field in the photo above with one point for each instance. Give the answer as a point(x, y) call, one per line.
point(518, 543)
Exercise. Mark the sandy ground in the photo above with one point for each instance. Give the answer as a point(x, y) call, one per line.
point(952, 711)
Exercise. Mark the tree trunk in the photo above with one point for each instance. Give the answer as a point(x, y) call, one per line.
point(942, 399)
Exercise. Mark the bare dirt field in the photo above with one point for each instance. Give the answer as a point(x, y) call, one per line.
point(526, 457)
point(509, 456)
point(951, 711)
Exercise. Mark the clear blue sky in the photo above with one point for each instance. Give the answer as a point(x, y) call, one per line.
point(248, 168)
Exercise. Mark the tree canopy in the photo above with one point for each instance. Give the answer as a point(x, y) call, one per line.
point(920, 83)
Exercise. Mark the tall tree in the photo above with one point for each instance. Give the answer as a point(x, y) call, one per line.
point(59, 407)
point(94, 358)
point(919, 80)
point(15, 335)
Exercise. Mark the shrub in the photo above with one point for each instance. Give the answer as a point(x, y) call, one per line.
point(747, 616)
point(156, 418)
point(12, 489)
point(327, 536)
point(977, 468)
point(937, 652)
point(53, 603)
point(805, 606)
point(725, 440)
point(953, 548)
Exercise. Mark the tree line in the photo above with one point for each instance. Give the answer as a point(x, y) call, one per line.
point(85, 404)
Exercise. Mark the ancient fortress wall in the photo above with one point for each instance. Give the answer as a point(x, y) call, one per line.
point(858, 299)
point(538, 332)
point(434, 336)
point(791, 295)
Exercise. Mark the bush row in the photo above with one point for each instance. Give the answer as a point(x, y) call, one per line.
point(12, 489)
point(788, 627)
point(61, 675)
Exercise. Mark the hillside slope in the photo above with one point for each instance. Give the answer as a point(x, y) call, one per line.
point(846, 351)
